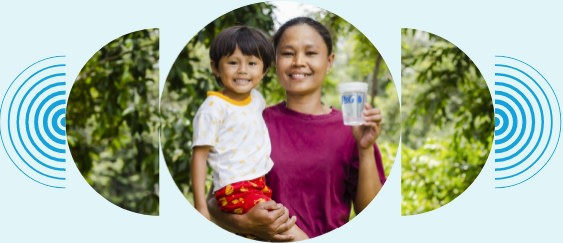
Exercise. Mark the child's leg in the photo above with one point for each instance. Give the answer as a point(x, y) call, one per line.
point(239, 197)
point(297, 232)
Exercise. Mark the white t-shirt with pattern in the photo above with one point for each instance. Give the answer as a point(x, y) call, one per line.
point(238, 136)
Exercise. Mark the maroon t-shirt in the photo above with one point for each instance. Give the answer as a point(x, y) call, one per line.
point(315, 169)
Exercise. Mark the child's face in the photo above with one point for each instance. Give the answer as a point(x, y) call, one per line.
point(239, 74)
point(302, 60)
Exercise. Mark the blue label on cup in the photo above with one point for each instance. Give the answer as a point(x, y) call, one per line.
point(349, 99)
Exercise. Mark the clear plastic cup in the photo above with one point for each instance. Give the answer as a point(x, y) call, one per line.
point(353, 98)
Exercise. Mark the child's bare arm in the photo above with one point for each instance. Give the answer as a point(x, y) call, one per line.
point(199, 172)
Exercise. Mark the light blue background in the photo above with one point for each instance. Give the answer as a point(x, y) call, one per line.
point(527, 30)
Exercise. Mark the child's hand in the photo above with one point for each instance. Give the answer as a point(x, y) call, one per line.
point(367, 133)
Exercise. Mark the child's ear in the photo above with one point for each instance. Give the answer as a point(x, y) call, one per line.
point(264, 73)
point(214, 69)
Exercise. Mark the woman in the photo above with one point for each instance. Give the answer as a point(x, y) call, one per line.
point(321, 167)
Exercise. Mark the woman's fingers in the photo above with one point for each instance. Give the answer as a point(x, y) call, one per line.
point(283, 228)
point(372, 114)
point(270, 205)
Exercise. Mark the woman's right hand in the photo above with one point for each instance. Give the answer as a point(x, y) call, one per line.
point(267, 220)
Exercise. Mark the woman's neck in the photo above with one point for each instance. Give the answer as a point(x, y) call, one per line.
point(307, 104)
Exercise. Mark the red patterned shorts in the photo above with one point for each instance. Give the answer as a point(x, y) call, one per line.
point(239, 197)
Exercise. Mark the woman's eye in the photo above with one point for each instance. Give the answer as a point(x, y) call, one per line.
point(287, 53)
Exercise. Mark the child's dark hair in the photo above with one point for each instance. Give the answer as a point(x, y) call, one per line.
point(320, 28)
point(250, 41)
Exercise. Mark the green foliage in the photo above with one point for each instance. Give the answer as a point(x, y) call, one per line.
point(435, 174)
point(112, 124)
point(448, 122)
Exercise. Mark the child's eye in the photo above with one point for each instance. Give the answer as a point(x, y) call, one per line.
point(252, 63)
point(287, 53)
point(310, 53)
point(232, 62)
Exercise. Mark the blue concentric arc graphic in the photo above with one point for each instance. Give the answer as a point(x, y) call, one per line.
point(33, 126)
point(527, 122)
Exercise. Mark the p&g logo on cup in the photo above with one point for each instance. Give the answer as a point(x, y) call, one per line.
point(348, 99)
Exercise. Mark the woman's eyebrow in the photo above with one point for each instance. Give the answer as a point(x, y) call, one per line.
point(309, 46)
point(285, 46)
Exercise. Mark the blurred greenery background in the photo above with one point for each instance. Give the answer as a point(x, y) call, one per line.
point(114, 117)
point(447, 122)
point(112, 121)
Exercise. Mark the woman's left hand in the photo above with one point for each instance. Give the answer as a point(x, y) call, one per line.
point(367, 133)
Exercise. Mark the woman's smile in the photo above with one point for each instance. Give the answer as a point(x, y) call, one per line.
point(299, 76)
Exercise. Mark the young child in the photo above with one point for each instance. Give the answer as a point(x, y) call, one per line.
point(229, 131)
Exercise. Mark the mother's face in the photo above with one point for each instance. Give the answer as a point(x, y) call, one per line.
point(302, 60)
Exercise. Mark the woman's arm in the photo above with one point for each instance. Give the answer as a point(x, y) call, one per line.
point(266, 220)
point(369, 182)
point(199, 172)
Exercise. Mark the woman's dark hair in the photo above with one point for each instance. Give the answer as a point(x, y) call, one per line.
point(320, 28)
point(250, 41)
